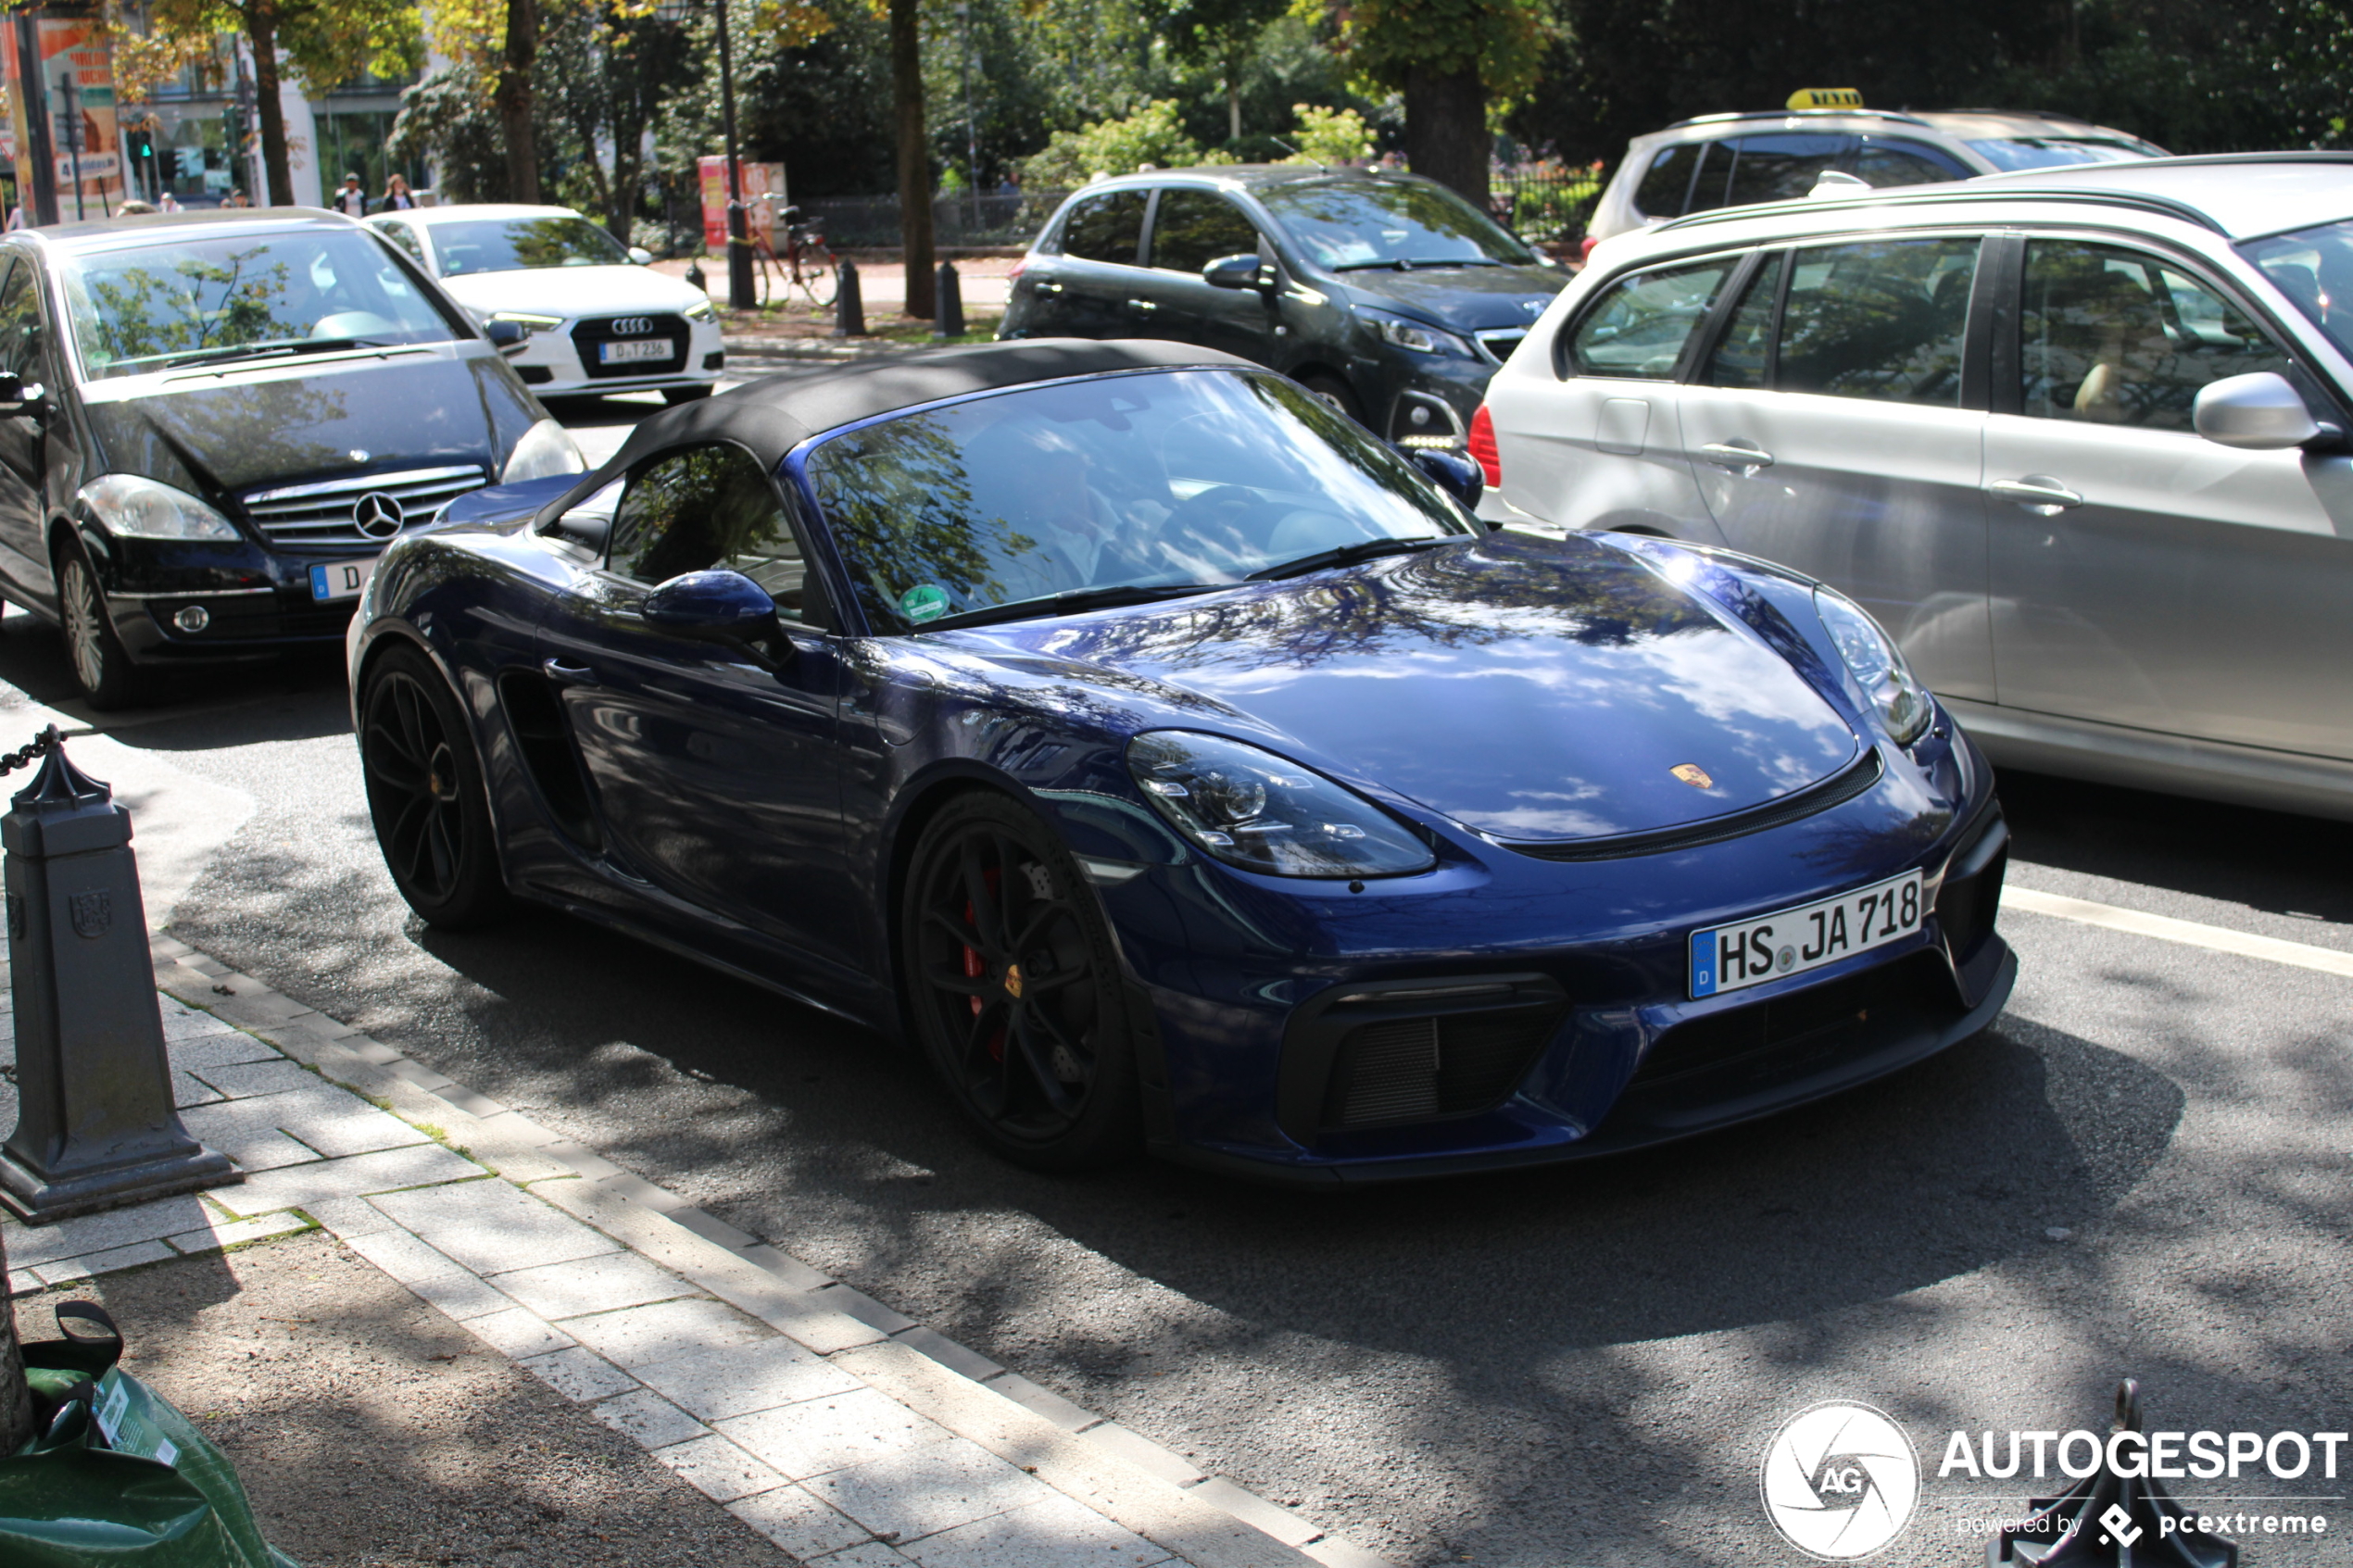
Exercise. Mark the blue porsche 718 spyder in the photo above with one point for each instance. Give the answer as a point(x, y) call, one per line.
point(1181, 767)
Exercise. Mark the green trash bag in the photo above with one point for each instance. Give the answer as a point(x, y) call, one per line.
point(115, 1475)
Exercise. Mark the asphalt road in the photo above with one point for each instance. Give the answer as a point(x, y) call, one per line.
point(1575, 1366)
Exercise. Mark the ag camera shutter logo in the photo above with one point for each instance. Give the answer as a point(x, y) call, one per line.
point(1840, 1481)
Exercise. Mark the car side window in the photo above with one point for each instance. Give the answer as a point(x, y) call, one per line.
point(406, 238)
point(705, 507)
point(1747, 169)
point(1883, 164)
point(1192, 229)
point(2116, 336)
point(1667, 182)
point(1883, 320)
point(1639, 327)
point(1743, 357)
point(1106, 228)
point(20, 323)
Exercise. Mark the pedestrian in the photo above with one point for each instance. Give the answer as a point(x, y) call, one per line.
point(168, 203)
point(133, 207)
point(352, 200)
point(236, 197)
point(397, 197)
point(15, 219)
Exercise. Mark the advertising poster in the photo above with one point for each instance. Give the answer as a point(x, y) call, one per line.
point(76, 68)
point(759, 179)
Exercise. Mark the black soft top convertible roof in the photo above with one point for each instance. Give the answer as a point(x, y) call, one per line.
point(773, 416)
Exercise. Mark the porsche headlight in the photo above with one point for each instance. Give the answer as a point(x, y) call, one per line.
point(1261, 812)
point(546, 448)
point(1878, 665)
point(141, 509)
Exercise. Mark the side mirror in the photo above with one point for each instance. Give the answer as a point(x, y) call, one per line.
point(15, 396)
point(1238, 272)
point(2260, 412)
point(721, 607)
point(507, 337)
point(641, 255)
point(1451, 471)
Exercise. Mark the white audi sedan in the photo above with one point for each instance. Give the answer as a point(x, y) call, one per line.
point(599, 319)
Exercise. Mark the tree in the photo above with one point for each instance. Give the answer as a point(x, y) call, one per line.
point(1449, 58)
point(1151, 135)
point(514, 94)
point(326, 44)
point(1223, 33)
point(914, 155)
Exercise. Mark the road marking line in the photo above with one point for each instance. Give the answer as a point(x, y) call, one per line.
point(2220, 939)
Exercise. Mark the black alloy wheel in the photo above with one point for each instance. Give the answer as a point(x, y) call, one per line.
point(426, 794)
point(101, 665)
point(1334, 392)
point(1011, 984)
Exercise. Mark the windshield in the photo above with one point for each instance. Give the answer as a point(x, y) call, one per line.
point(1349, 224)
point(2007, 153)
point(143, 310)
point(2314, 268)
point(516, 245)
point(1161, 478)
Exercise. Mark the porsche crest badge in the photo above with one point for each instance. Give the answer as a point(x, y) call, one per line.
point(1692, 774)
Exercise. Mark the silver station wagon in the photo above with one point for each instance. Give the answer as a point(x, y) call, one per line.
point(2077, 437)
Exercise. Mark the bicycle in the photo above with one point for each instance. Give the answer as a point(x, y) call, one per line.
point(807, 265)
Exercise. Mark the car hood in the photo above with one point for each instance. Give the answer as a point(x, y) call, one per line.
point(574, 291)
point(241, 429)
point(1466, 299)
point(1528, 689)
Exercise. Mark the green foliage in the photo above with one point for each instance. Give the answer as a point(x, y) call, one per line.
point(143, 315)
point(324, 42)
point(1330, 136)
point(1151, 135)
point(1503, 40)
point(447, 119)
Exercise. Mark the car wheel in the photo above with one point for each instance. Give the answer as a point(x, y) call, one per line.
point(426, 794)
point(101, 665)
point(1013, 988)
point(1331, 390)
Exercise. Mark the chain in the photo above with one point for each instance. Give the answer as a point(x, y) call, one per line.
point(39, 746)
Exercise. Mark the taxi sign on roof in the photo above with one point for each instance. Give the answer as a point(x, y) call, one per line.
point(1826, 98)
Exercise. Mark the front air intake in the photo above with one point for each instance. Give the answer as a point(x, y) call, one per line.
point(1399, 1052)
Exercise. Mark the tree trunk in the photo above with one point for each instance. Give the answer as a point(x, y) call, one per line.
point(261, 32)
point(1446, 137)
point(1234, 100)
point(514, 97)
point(16, 1396)
point(914, 155)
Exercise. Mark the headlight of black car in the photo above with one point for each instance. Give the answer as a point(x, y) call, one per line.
point(1878, 665)
point(1415, 337)
point(1261, 812)
point(142, 509)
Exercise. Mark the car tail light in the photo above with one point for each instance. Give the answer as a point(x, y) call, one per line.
point(1585, 248)
point(1018, 268)
point(1481, 445)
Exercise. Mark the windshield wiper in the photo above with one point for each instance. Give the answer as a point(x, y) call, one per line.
point(1348, 555)
point(259, 350)
point(1069, 602)
point(1408, 264)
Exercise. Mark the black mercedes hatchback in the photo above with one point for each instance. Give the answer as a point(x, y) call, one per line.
point(1387, 296)
point(210, 424)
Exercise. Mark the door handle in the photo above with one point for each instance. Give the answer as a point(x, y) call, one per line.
point(1746, 456)
point(1047, 285)
point(1142, 306)
point(2039, 493)
point(565, 675)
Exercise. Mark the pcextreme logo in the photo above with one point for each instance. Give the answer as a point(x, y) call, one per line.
point(1840, 1481)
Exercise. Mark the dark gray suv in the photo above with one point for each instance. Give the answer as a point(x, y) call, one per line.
point(1388, 296)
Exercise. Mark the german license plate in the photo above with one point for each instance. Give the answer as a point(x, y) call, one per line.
point(1731, 957)
point(341, 579)
point(630, 352)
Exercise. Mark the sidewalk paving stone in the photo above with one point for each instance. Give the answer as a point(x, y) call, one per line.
point(924, 1490)
point(649, 1418)
point(462, 1297)
point(718, 1469)
point(874, 1554)
point(354, 1177)
point(665, 1331)
point(1052, 1533)
point(218, 1233)
point(807, 1528)
point(93, 1234)
point(494, 1228)
point(247, 1131)
point(244, 1080)
point(831, 1433)
point(128, 1257)
point(579, 1375)
point(405, 1258)
point(743, 1380)
point(601, 1283)
point(516, 1334)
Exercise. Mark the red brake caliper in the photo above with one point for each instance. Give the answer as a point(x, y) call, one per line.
point(975, 970)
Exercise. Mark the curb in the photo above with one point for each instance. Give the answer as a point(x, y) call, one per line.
point(1116, 1474)
point(820, 350)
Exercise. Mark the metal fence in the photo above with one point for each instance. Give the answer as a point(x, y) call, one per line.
point(1546, 203)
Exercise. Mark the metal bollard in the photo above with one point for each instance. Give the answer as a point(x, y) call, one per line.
point(947, 320)
point(849, 306)
point(2109, 1519)
point(95, 1126)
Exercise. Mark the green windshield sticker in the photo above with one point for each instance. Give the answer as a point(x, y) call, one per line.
point(926, 601)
